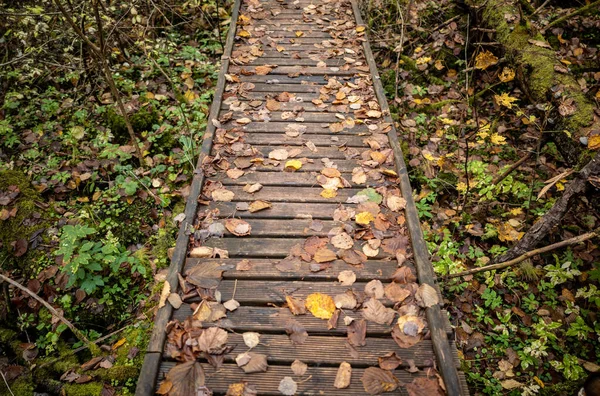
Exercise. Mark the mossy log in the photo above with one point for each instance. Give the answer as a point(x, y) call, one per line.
point(538, 77)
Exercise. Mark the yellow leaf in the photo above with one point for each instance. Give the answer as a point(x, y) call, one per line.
point(244, 34)
point(293, 165)
point(423, 60)
point(299, 33)
point(507, 75)
point(485, 59)
point(505, 100)
point(329, 193)
point(594, 142)
point(320, 305)
point(498, 139)
point(118, 343)
point(243, 20)
point(190, 96)
point(360, 29)
point(364, 218)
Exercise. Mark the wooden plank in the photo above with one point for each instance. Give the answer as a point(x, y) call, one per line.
point(290, 179)
point(269, 247)
point(278, 88)
point(288, 106)
point(332, 71)
point(281, 139)
point(279, 210)
point(282, 194)
point(300, 98)
point(298, 62)
point(265, 269)
point(322, 152)
point(287, 80)
point(424, 267)
point(316, 381)
point(274, 320)
point(284, 228)
point(312, 128)
point(344, 166)
point(307, 117)
point(317, 351)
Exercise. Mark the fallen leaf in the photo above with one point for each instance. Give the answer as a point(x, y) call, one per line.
point(296, 331)
point(251, 339)
point(374, 289)
point(293, 165)
point(345, 300)
point(395, 203)
point(235, 173)
point(184, 379)
point(263, 70)
point(279, 154)
point(288, 386)
point(347, 278)
point(238, 227)
point(357, 333)
point(212, 340)
point(252, 188)
point(164, 294)
point(389, 361)
point(299, 368)
point(174, 299)
point(375, 311)
point(258, 206)
point(376, 380)
point(296, 305)
point(343, 376)
point(320, 305)
point(425, 387)
point(396, 293)
point(324, 255)
point(231, 305)
point(256, 364)
point(426, 296)
point(222, 195)
point(364, 218)
point(342, 241)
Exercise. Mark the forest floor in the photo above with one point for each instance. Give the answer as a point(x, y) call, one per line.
point(88, 228)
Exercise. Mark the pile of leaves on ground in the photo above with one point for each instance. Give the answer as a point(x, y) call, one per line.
point(86, 224)
point(487, 145)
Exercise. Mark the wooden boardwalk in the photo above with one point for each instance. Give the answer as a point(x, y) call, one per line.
point(300, 228)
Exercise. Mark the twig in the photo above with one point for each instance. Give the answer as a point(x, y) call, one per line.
point(50, 308)
point(540, 7)
point(527, 6)
point(6, 383)
point(525, 256)
point(574, 13)
point(400, 49)
point(512, 168)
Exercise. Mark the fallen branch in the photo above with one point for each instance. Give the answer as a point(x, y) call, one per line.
point(579, 11)
point(523, 257)
point(512, 168)
point(50, 308)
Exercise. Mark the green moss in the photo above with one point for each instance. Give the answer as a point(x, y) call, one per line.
point(90, 389)
point(117, 373)
point(566, 388)
point(7, 336)
point(141, 121)
point(20, 387)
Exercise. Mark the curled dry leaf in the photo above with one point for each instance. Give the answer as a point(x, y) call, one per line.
point(241, 389)
point(426, 296)
point(238, 227)
point(331, 172)
point(202, 252)
point(263, 70)
point(184, 379)
point(343, 376)
point(213, 340)
point(347, 278)
point(299, 368)
point(376, 381)
point(324, 255)
point(279, 154)
point(375, 289)
point(251, 339)
point(364, 218)
point(164, 294)
point(235, 173)
point(342, 241)
point(425, 387)
point(396, 293)
point(222, 195)
point(357, 333)
point(320, 305)
point(296, 331)
point(345, 300)
point(369, 251)
point(389, 361)
point(231, 305)
point(288, 386)
point(296, 305)
point(257, 206)
point(252, 188)
point(395, 203)
point(404, 275)
point(174, 299)
point(293, 165)
point(375, 311)
point(253, 362)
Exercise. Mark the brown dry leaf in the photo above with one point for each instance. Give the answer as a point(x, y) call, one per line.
point(296, 331)
point(258, 206)
point(374, 113)
point(288, 386)
point(279, 154)
point(426, 296)
point(320, 305)
point(231, 305)
point(376, 381)
point(299, 368)
point(263, 70)
point(206, 275)
point(185, 379)
point(395, 203)
point(389, 361)
point(296, 305)
point(209, 311)
point(345, 300)
point(213, 341)
point(202, 252)
point(331, 172)
point(238, 227)
point(175, 300)
point(424, 387)
point(252, 188)
point(324, 255)
point(353, 257)
point(164, 294)
point(251, 339)
point(375, 311)
point(336, 127)
point(273, 105)
point(241, 389)
point(244, 265)
point(343, 376)
point(374, 289)
point(404, 275)
point(222, 195)
point(357, 333)
point(396, 293)
point(235, 173)
point(243, 121)
point(256, 364)
point(342, 241)
point(347, 278)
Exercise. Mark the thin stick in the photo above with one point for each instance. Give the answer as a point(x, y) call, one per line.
point(6, 383)
point(581, 10)
point(523, 257)
point(512, 168)
point(50, 308)
point(540, 7)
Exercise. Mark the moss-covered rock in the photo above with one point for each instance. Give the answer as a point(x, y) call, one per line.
point(141, 121)
point(89, 389)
